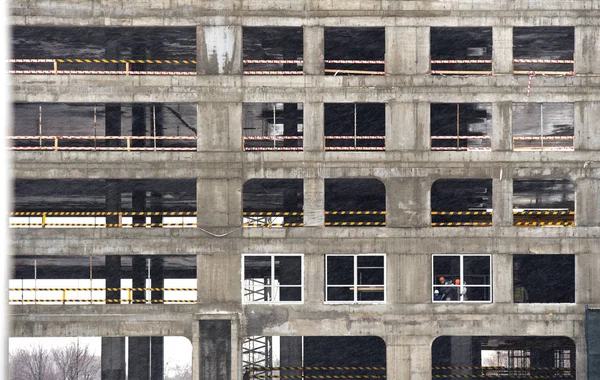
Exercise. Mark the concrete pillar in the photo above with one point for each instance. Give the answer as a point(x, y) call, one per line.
point(138, 201)
point(138, 123)
point(113, 201)
point(219, 127)
point(587, 49)
point(397, 359)
point(157, 275)
point(587, 199)
point(112, 268)
point(587, 281)
point(314, 127)
point(407, 50)
point(157, 358)
point(215, 350)
point(219, 50)
point(158, 123)
point(112, 123)
point(502, 126)
point(407, 126)
point(587, 126)
point(407, 202)
point(113, 358)
point(502, 200)
point(502, 278)
point(314, 50)
point(290, 348)
point(219, 202)
point(409, 278)
point(138, 277)
point(221, 284)
point(314, 202)
point(502, 52)
point(314, 279)
point(139, 358)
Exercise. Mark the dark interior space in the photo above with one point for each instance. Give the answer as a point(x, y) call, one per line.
point(275, 196)
point(266, 126)
point(547, 42)
point(354, 44)
point(456, 202)
point(365, 272)
point(543, 126)
point(543, 202)
point(544, 278)
point(263, 43)
point(345, 351)
point(454, 120)
point(354, 120)
point(366, 194)
point(448, 43)
point(281, 276)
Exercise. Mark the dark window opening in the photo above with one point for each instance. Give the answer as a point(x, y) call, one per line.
point(167, 48)
point(461, 202)
point(461, 126)
point(273, 203)
point(355, 278)
point(272, 50)
point(462, 278)
point(354, 126)
point(503, 357)
point(543, 126)
point(354, 202)
point(461, 51)
point(273, 126)
point(354, 51)
point(544, 278)
point(540, 49)
point(272, 278)
point(543, 202)
point(104, 127)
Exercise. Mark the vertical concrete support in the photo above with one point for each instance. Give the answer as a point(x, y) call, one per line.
point(157, 275)
point(397, 358)
point(587, 281)
point(112, 122)
point(314, 279)
point(587, 126)
point(407, 202)
point(502, 126)
point(502, 278)
point(113, 358)
point(215, 350)
point(138, 276)
point(502, 49)
point(219, 202)
point(113, 200)
point(587, 198)
point(587, 49)
point(157, 358)
point(407, 126)
point(314, 50)
point(314, 127)
point(502, 200)
point(409, 279)
point(407, 50)
point(138, 123)
point(195, 351)
point(420, 362)
point(219, 50)
point(138, 201)
point(219, 127)
point(113, 276)
point(139, 358)
point(222, 284)
point(314, 202)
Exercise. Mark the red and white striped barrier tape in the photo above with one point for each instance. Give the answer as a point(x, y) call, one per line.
point(543, 138)
point(98, 72)
point(357, 61)
point(461, 61)
point(539, 148)
point(462, 148)
point(461, 137)
point(526, 60)
point(273, 72)
point(355, 148)
point(296, 61)
point(102, 137)
point(452, 72)
point(274, 148)
point(31, 60)
point(531, 75)
point(273, 137)
point(355, 137)
point(99, 148)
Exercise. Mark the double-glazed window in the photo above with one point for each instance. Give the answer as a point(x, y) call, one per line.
point(355, 278)
point(272, 278)
point(462, 278)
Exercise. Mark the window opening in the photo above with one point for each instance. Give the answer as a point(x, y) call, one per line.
point(543, 203)
point(461, 126)
point(462, 278)
point(543, 50)
point(273, 203)
point(354, 51)
point(354, 203)
point(461, 202)
point(271, 278)
point(355, 278)
point(272, 51)
point(461, 51)
point(354, 127)
point(273, 126)
point(543, 126)
point(544, 278)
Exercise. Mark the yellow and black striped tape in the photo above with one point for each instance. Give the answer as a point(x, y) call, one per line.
point(563, 212)
point(103, 224)
point(317, 368)
point(272, 213)
point(101, 289)
point(103, 60)
point(273, 224)
point(501, 377)
point(105, 301)
point(461, 213)
point(318, 376)
point(504, 368)
point(549, 223)
point(354, 223)
point(464, 224)
point(104, 213)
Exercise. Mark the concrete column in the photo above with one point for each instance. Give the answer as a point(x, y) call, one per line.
point(314, 279)
point(112, 123)
point(587, 126)
point(113, 201)
point(138, 202)
point(502, 200)
point(409, 278)
point(587, 199)
point(196, 351)
point(222, 283)
point(139, 358)
point(420, 362)
point(215, 350)
point(157, 275)
point(314, 50)
point(157, 358)
point(314, 202)
point(219, 127)
point(407, 126)
point(397, 359)
point(138, 123)
point(314, 127)
point(112, 268)
point(219, 202)
point(407, 50)
point(158, 123)
point(113, 358)
point(502, 52)
point(502, 278)
point(291, 353)
point(587, 281)
point(219, 50)
point(502, 126)
point(138, 276)
point(587, 49)
point(407, 202)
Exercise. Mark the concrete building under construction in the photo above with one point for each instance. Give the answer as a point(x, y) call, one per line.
point(401, 189)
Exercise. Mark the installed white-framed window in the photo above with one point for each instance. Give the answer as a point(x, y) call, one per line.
point(355, 278)
point(461, 278)
point(272, 278)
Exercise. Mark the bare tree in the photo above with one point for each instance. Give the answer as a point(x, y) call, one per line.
point(76, 362)
point(31, 364)
point(179, 372)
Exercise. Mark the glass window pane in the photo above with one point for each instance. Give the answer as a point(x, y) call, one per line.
point(370, 294)
point(446, 269)
point(340, 293)
point(340, 270)
point(290, 294)
point(477, 293)
point(257, 267)
point(370, 261)
point(370, 276)
point(476, 270)
point(288, 270)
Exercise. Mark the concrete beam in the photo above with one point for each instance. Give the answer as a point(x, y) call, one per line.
point(219, 50)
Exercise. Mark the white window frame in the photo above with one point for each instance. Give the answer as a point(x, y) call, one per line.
point(272, 256)
point(462, 285)
point(355, 280)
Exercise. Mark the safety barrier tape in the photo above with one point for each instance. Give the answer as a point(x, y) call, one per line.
point(544, 212)
point(360, 72)
point(461, 137)
point(317, 368)
point(317, 376)
point(31, 60)
point(359, 61)
point(468, 61)
point(99, 72)
point(462, 224)
point(501, 377)
point(272, 213)
point(461, 148)
point(121, 149)
point(104, 301)
point(504, 368)
point(461, 213)
point(273, 137)
point(103, 60)
point(566, 223)
point(459, 72)
point(102, 289)
point(531, 75)
point(104, 213)
point(103, 137)
point(355, 212)
point(542, 148)
point(255, 72)
point(354, 223)
point(297, 61)
point(283, 148)
point(103, 225)
point(354, 148)
point(527, 60)
point(518, 138)
point(273, 224)
point(355, 137)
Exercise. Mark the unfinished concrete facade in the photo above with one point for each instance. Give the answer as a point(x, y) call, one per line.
point(408, 321)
